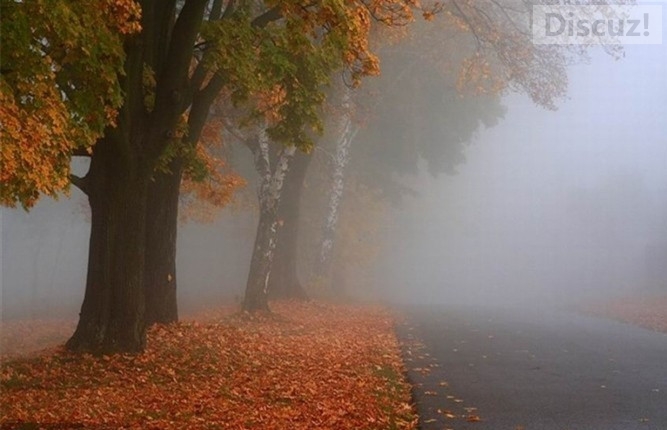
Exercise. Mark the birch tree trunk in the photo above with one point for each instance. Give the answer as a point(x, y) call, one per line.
point(284, 281)
point(346, 133)
point(272, 175)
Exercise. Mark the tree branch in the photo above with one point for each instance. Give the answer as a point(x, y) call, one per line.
point(172, 92)
point(252, 143)
point(229, 9)
point(198, 76)
point(459, 12)
point(201, 103)
point(273, 14)
point(80, 152)
point(79, 182)
point(179, 55)
point(216, 10)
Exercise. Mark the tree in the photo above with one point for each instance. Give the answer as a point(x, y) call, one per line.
point(284, 280)
point(483, 48)
point(341, 39)
point(272, 168)
point(202, 183)
point(166, 76)
point(165, 104)
point(59, 88)
point(346, 132)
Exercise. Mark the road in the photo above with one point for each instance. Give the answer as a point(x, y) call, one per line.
point(529, 369)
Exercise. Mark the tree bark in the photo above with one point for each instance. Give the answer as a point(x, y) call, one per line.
point(346, 134)
point(161, 233)
point(284, 281)
point(112, 315)
point(272, 174)
point(256, 293)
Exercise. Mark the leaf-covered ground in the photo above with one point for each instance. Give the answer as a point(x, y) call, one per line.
point(645, 311)
point(308, 365)
point(23, 337)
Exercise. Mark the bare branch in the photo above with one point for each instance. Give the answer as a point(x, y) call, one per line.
point(469, 24)
point(251, 143)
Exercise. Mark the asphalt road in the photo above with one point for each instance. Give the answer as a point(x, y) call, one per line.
point(519, 369)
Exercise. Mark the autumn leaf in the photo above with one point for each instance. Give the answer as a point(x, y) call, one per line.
point(303, 367)
point(59, 88)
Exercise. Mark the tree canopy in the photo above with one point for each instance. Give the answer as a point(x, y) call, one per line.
point(59, 88)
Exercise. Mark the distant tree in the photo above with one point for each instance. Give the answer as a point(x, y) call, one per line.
point(442, 81)
point(314, 60)
point(284, 282)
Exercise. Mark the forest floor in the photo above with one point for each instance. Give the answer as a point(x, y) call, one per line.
point(649, 311)
point(306, 365)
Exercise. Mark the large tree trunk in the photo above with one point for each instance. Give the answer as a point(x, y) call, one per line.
point(112, 315)
point(272, 174)
point(284, 281)
point(161, 232)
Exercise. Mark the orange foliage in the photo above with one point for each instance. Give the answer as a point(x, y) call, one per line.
point(58, 88)
point(357, 18)
point(305, 367)
point(201, 198)
point(122, 15)
point(29, 166)
point(269, 102)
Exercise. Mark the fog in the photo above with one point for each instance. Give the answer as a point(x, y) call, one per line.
point(549, 207)
point(45, 253)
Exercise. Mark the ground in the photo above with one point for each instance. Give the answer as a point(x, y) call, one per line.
point(307, 365)
point(599, 366)
point(646, 311)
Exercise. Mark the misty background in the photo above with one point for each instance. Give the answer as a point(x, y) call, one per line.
point(552, 206)
point(548, 207)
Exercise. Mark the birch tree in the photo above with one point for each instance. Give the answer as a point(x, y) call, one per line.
point(284, 282)
point(473, 48)
point(346, 131)
point(271, 162)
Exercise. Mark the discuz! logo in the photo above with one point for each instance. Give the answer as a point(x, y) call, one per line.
point(602, 24)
